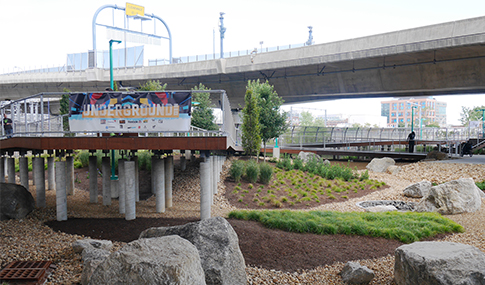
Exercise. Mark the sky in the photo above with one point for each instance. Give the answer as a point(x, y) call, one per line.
point(41, 33)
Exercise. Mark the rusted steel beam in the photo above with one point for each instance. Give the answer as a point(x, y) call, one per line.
point(130, 143)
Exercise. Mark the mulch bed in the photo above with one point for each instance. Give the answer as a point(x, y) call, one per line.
point(260, 246)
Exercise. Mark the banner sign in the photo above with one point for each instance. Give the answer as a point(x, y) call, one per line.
point(135, 112)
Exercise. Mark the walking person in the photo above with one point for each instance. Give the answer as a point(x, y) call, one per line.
point(7, 126)
point(410, 139)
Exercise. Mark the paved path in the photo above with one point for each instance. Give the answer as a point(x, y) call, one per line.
point(476, 159)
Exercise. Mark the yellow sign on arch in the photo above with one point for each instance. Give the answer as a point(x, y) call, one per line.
point(133, 10)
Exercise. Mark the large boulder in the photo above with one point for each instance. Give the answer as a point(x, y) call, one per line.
point(354, 273)
point(454, 197)
point(164, 260)
point(92, 257)
point(380, 164)
point(218, 246)
point(427, 263)
point(16, 202)
point(306, 156)
point(418, 190)
point(81, 244)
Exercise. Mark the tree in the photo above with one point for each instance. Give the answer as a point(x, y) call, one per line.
point(64, 109)
point(251, 128)
point(152, 85)
point(470, 114)
point(307, 120)
point(203, 114)
point(271, 119)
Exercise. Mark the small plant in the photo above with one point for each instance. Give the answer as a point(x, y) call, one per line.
point(245, 191)
point(261, 204)
point(250, 186)
point(284, 199)
point(331, 196)
point(240, 200)
point(237, 188)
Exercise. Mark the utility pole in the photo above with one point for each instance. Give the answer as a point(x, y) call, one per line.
point(222, 30)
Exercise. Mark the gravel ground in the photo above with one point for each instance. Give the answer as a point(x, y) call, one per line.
point(29, 239)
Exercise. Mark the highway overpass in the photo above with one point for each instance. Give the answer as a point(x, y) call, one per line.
point(439, 59)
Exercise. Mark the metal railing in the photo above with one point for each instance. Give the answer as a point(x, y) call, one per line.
point(71, 67)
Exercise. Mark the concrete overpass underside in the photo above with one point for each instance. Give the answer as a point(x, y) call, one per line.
point(440, 59)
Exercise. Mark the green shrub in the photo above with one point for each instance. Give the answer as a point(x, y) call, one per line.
point(265, 172)
point(364, 175)
point(298, 163)
point(82, 158)
point(237, 170)
point(252, 171)
point(145, 160)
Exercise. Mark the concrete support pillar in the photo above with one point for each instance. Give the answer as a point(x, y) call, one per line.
point(70, 175)
point(215, 171)
point(106, 170)
point(130, 206)
point(11, 169)
point(93, 179)
point(24, 172)
point(39, 175)
point(51, 173)
point(122, 186)
point(2, 169)
point(137, 178)
point(210, 159)
point(168, 181)
point(159, 171)
point(276, 152)
point(205, 192)
point(61, 196)
point(152, 173)
point(114, 184)
point(183, 163)
point(187, 154)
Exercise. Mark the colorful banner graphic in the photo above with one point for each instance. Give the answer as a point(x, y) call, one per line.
point(136, 112)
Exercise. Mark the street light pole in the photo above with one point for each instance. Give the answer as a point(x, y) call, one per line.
point(222, 30)
point(412, 118)
point(111, 62)
point(113, 176)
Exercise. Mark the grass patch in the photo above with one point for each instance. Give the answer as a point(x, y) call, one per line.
point(405, 227)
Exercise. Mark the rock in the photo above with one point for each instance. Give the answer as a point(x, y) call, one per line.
point(306, 156)
point(163, 260)
point(380, 164)
point(436, 155)
point(81, 244)
point(454, 197)
point(326, 162)
point(393, 169)
point(16, 202)
point(218, 247)
point(430, 262)
point(92, 257)
point(381, 208)
point(418, 190)
point(384, 205)
point(354, 273)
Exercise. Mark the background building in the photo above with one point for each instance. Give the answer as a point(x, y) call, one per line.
point(427, 111)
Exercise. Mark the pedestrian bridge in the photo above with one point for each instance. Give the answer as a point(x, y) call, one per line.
point(440, 59)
